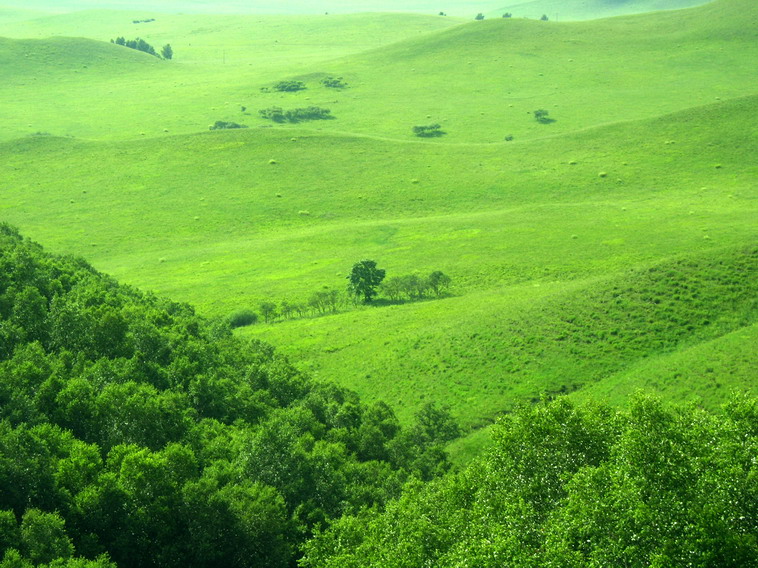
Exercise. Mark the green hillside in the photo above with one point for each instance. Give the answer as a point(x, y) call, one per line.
point(565, 10)
point(218, 62)
point(648, 164)
point(481, 80)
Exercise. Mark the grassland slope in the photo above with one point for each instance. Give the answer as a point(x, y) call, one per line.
point(565, 10)
point(482, 81)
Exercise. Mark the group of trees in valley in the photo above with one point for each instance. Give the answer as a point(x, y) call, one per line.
point(366, 282)
point(135, 433)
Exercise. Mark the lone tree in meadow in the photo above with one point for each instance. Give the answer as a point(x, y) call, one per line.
point(479, 16)
point(167, 52)
point(364, 278)
point(541, 116)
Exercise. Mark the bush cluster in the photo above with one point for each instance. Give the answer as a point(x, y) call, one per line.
point(278, 114)
point(223, 125)
point(428, 131)
point(289, 86)
point(334, 82)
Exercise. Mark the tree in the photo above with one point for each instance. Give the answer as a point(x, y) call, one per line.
point(268, 310)
point(167, 52)
point(541, 116)
point(479, 16)
point(544, 18)
point(364, 279)
point(507, 15)
point(438, 282)
point(43, 537)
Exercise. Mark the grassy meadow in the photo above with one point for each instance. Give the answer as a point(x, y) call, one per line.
point(608, 250)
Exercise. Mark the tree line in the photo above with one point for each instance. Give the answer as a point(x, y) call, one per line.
point(367, 283)
point(140, 44)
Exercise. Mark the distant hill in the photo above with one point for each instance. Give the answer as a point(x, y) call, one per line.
point(568, 10)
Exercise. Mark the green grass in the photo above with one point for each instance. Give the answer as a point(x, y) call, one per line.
point(650, 163)
point(565, 10)
point(220, 63)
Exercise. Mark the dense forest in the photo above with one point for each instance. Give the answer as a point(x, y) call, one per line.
point(135, 433)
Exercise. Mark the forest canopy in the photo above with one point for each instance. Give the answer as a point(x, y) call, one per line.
point(135, 433)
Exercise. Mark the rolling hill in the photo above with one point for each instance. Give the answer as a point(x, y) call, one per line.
point(647, 169)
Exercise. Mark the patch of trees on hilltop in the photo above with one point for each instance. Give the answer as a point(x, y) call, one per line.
point(134, 433)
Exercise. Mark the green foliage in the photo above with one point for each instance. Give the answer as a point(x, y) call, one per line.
point(277, 114)
point(479, 16)
point(415, 287)
point(289, 86)
point(44, 538)
point(268, 310)
point(167, 52)
point(242, 318)
point(576, 486)
point(364, 278)
point(541, 116)
point(224, 125)
point(139, 44)
point(428, 131)
point(131, 429)
point(334, 82)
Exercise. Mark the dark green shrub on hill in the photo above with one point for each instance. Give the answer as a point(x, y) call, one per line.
point(428, 131)
point(277, 114)
point(242, 318)
point(224, 125)
point(132, 428)
point(289, 86)
point(333, 82)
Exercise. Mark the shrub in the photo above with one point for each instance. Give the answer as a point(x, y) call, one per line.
point(333, 82)
point(242, 318)
point(541, 116)
point(428, 131)
point(277, 114)
point(272, 113)
point(479, 16)
point(222, 125)
point(308, 113)
point(289, 86)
